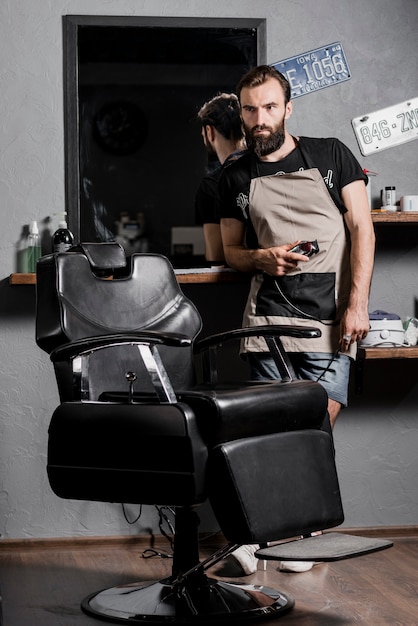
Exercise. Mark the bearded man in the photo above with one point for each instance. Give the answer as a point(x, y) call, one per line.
point(285, 190)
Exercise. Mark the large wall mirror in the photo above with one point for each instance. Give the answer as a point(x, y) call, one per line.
point(133, 86)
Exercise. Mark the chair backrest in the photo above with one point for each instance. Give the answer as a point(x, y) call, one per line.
point(75, 300)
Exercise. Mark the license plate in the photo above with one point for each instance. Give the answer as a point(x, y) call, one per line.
point(314, 70)
point(387, 127)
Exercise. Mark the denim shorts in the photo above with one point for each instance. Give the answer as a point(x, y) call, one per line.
point(332, 373)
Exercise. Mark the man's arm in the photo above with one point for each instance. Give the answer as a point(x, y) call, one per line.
point(355, 321)
point(276, 261)
point(213, 243)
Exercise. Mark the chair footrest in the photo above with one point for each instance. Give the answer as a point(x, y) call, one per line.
point(326, 547)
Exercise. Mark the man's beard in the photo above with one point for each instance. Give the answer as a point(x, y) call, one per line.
point(263, 145)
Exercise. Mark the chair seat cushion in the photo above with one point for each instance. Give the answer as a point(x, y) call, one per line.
point(230, 412)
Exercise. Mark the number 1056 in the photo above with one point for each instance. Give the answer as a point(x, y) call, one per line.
point(319, 70)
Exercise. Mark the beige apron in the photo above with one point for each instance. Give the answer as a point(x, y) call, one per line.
point(284, 208)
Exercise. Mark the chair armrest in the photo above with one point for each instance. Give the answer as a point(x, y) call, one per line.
point(89, 344)
point(256, 331)
point(208, 347)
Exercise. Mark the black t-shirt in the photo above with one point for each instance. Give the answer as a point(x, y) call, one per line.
point(207, 205)
point(331, 157)
point(207, 209)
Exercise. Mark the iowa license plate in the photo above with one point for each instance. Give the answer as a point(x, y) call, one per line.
point(316, 69)
point(387, 127)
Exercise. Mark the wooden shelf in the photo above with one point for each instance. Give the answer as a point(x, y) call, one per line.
point(212, 276)
point(197, 277)
point(383, 352)
point(392, 217)
point(22, 279)
point(389, 353)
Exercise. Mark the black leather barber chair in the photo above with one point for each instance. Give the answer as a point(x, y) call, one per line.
point(135, 426)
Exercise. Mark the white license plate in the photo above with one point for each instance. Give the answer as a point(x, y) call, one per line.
point(316, 69)
point(387, 127)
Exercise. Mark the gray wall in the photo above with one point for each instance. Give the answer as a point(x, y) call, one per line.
point(376, 437)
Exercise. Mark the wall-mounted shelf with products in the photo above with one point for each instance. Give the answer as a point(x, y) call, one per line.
point(378, 217)
point(200, 276)
point(385, 352)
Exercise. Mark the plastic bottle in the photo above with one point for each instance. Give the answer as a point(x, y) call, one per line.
point(63, 238)
point(389, 196)
point(33, 248)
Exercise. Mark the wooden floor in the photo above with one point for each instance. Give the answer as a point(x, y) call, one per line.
point(42, 584)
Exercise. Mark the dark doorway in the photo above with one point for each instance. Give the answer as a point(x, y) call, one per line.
point(133, 89)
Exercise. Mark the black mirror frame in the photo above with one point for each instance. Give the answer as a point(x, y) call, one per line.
point(71, 25)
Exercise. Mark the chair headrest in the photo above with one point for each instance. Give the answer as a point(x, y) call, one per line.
point(103, 256)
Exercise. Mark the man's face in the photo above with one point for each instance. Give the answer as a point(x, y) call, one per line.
point(264, 112)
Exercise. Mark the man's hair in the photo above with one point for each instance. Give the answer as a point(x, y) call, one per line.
point(259, 75)
point(223, 113)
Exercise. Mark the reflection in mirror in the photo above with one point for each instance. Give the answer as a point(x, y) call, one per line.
point(133, 146)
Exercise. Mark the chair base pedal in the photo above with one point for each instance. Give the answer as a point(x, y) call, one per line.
point(326, 547)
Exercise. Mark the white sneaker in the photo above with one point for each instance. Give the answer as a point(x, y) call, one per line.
point(244, 555)
point(296, 566)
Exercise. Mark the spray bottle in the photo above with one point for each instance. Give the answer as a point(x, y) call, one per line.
point(33, 248)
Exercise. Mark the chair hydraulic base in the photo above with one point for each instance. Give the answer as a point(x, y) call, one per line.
point(209, 602)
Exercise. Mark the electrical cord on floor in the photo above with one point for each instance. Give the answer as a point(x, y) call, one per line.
point(152, 552)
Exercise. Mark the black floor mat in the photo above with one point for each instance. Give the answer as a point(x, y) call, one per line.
point(325, 547)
